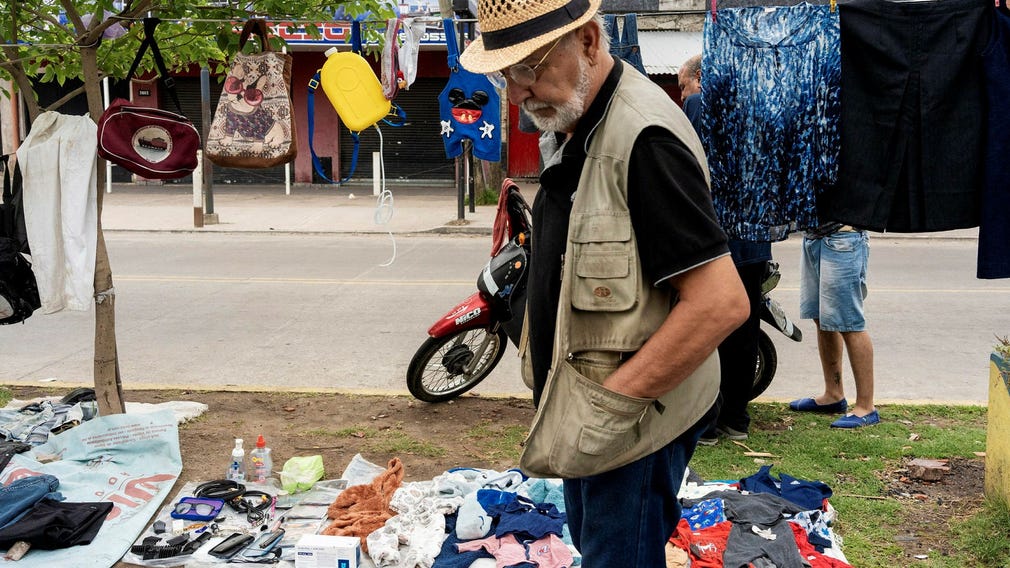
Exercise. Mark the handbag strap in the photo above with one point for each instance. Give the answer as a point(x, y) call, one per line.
point(7, 222)
point(450, 44)
point(256, 26)
point(12, 192)
point(150, 24)
point(356, 37)
point(316, 164)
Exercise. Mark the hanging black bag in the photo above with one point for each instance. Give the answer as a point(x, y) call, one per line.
point(19, 293)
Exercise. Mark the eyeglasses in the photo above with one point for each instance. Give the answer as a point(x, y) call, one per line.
point(197, 508)
point(190, 508)
point(522, 74)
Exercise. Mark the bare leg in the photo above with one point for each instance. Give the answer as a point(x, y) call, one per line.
point(860, 349)
point(829, 347)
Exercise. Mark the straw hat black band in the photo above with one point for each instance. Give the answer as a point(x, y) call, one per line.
point(513, 35)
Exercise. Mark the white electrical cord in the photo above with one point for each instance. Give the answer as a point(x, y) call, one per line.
point(384, 201)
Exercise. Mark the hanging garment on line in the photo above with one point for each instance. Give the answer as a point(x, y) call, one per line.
point(994, 230)
point(413, 32)
point(468, 108)
point(391, 75)
point(59, 163)
point(624, 39)
point(912, 114)
point(770, 102)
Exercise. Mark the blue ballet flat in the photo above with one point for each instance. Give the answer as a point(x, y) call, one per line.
point(810, 405)
point(853, 421)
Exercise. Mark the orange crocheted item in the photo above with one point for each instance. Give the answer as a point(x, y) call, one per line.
point(361, 509)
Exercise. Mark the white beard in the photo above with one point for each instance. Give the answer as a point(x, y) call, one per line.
point(567, 114)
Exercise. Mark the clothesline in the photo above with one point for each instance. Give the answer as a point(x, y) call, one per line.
point(425, 19)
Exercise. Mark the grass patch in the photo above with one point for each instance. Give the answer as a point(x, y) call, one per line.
point(5, 396)
point(397, 442)
point(986, 534)
point(391, 441)
point(499, 443)
point(855, 465)
point(485, 197)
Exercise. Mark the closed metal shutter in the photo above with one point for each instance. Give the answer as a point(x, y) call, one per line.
point(413, 152)
point(188, 89)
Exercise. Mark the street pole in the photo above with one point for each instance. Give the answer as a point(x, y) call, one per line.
point(198, 191)
point(208, 168)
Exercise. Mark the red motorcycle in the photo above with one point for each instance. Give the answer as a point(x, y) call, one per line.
point(466, 344)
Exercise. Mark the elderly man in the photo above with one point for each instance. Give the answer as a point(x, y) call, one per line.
point(689, 81)
point(631, 286)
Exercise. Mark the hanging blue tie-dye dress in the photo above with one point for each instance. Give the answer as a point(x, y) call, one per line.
point(770, 108)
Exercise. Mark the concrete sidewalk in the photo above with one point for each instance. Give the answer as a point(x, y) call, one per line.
point(323, 209)
point(308, 209)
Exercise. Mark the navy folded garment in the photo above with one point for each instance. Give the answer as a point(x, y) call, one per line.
point(52, 525)
point(807, 494)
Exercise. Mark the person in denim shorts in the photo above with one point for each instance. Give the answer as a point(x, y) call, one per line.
point(832, 289)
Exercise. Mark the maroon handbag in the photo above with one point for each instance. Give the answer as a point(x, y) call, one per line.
point(150, 142)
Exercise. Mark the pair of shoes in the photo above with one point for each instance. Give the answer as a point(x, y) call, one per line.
point(810, 405)
point(853, 421)
point(731, 433)
point(710, 437)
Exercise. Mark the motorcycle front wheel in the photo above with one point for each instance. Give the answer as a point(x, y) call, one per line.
point(767, 363)
point(438, 371)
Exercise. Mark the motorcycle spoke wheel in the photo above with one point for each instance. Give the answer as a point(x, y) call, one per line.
point(767, 364)
point(437, 372)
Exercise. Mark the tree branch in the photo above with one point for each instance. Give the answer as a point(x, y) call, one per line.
point(75, 18)
point(17, 70)
point(70, 95)
point(40, 15)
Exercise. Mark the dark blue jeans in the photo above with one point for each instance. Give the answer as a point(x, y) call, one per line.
point(18, 497)
point(624, 517)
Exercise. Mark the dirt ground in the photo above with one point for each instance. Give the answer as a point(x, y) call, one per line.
point(932, 506)
point(470, 431)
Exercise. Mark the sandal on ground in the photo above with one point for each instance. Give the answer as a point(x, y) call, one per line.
point(810, 405)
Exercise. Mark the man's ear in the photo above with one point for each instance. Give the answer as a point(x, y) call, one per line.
point(589, 39)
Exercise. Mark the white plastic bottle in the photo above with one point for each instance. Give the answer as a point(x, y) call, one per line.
point(259, 459)
point(236, 469)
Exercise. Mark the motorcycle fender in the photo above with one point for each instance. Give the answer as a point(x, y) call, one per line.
point(773, 314)
point(473, 312)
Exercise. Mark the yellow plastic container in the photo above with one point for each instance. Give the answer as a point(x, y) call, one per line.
point(353, 89)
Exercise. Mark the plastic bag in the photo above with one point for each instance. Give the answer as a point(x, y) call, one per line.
point(300, 472)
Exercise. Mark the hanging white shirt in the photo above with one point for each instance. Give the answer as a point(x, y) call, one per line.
point(59, 163)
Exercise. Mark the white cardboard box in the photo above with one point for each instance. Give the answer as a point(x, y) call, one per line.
point(325, 551)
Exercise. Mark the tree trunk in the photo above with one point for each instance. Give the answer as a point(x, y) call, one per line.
point(108, 385)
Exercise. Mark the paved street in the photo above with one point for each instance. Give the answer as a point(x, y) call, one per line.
point(319, 311)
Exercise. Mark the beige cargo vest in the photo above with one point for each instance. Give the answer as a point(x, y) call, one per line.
point(607, 309)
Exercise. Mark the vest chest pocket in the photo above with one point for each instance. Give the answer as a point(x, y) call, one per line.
point(605, 278)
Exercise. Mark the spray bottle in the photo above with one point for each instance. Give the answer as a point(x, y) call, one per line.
point(236, 469)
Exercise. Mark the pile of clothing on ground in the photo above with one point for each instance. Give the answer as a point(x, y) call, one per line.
point(464, 515)
point(477, 518)
point(23, 426)
point(759, 521)
point(456, 518)
point(33, 514)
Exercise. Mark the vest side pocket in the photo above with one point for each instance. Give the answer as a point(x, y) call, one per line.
point(607, 422)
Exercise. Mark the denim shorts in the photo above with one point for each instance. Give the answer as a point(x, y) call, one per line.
point(833, 280)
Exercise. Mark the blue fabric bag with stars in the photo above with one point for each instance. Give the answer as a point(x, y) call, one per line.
point(468, 108)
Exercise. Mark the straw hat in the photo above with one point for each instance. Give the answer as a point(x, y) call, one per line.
point(511, 30)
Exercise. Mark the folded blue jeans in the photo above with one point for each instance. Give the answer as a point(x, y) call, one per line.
point(20, 496)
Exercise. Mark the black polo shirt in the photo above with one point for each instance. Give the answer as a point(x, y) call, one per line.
point(671, 213)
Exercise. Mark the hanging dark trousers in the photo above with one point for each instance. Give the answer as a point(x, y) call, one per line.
point(624, 43)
